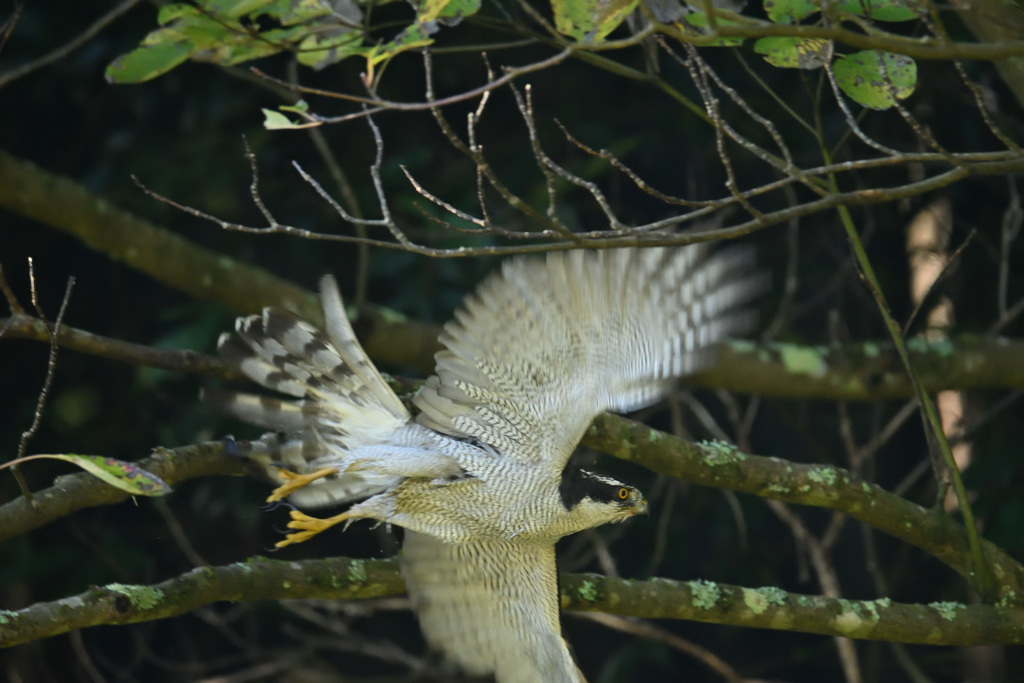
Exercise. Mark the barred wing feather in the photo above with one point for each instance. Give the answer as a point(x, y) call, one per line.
point(546, 345)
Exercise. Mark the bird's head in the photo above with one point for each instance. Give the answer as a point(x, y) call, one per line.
point(595, 499)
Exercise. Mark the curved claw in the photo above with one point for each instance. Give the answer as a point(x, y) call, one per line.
point(270, 507)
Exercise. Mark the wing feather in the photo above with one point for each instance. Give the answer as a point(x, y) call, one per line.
point(548, 344)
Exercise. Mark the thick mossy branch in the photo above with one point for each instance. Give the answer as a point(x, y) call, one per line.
point(861, 371)
point(866, 371)
point(938, 623)
point(347, 579)
point(721, 465)
point(175, 261)
point(713, 464)
point(255, 579)
point(858, 371)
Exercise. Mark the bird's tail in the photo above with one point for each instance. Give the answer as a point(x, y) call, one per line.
point(339, 402)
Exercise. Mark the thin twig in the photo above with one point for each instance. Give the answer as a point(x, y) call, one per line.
point(644, 629)
point(68, 47)
point(51, 369)
point(947, 269)
point(7, 28)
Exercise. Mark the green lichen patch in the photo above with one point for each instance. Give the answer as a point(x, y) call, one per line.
point(141, 597)
point(245, 567)
point(758, 600)
point(947, 610)
point(1009, 598)
point(806, 601)
point(721, 453)
point(872, 607)
point(356, 572)
point(941, 347)
point(823, 475)
point(705, 593)
point(774, 595)
point(588, 591)
point(803, 360)
point(7, 616)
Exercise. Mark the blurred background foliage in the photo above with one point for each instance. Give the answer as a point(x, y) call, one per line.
point(182, 135)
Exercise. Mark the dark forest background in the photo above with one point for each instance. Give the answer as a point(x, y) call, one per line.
point(183, 135)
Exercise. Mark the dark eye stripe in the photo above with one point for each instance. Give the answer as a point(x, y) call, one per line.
point(578, 484)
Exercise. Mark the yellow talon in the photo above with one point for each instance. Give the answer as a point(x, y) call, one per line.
point(310, 527)
point(294, 481)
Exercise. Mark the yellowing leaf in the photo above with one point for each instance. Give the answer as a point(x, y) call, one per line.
point(124, 475)
point(793, 53)
point(590, 20)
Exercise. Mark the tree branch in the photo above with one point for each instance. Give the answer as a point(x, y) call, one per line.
point(722, 465)
point(74, 492)
point(179, 263)
point(341, 578)
point(858, 371)
point(716, 464)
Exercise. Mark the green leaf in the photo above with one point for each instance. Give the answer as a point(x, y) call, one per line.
point(793, 53)
point(235, 9)
point(590, 20)
point(124, 475)
point(883, 10)
point(699, 20)
point(145, 63)
point(789, 11)
point(863, 75)
point(792, 11)
point(456, 9)
point(430, 10)
point(320, 51)
point(275, 120)
point(228, 32)
point(411, 37)
point(207, 34)
point(292, 12)
point(174, 10)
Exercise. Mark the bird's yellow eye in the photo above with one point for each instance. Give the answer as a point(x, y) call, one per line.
point(623, 493)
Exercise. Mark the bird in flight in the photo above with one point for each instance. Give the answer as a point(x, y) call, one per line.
point(479, 477)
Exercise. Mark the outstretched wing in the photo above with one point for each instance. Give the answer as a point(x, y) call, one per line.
point(491, 606)
point(343, 406)
point(547, 345)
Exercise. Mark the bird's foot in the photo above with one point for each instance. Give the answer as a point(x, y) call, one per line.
point(294, 481)
point(308, 527)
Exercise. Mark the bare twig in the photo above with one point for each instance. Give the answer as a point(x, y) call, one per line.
point(51, 369)
point(7, 28)
point(645, 629)
point(68, 47)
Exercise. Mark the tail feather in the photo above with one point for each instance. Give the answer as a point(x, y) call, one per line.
point(264, 411)
point(339, 404)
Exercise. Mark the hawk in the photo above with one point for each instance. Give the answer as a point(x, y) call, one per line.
point(479, 477)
